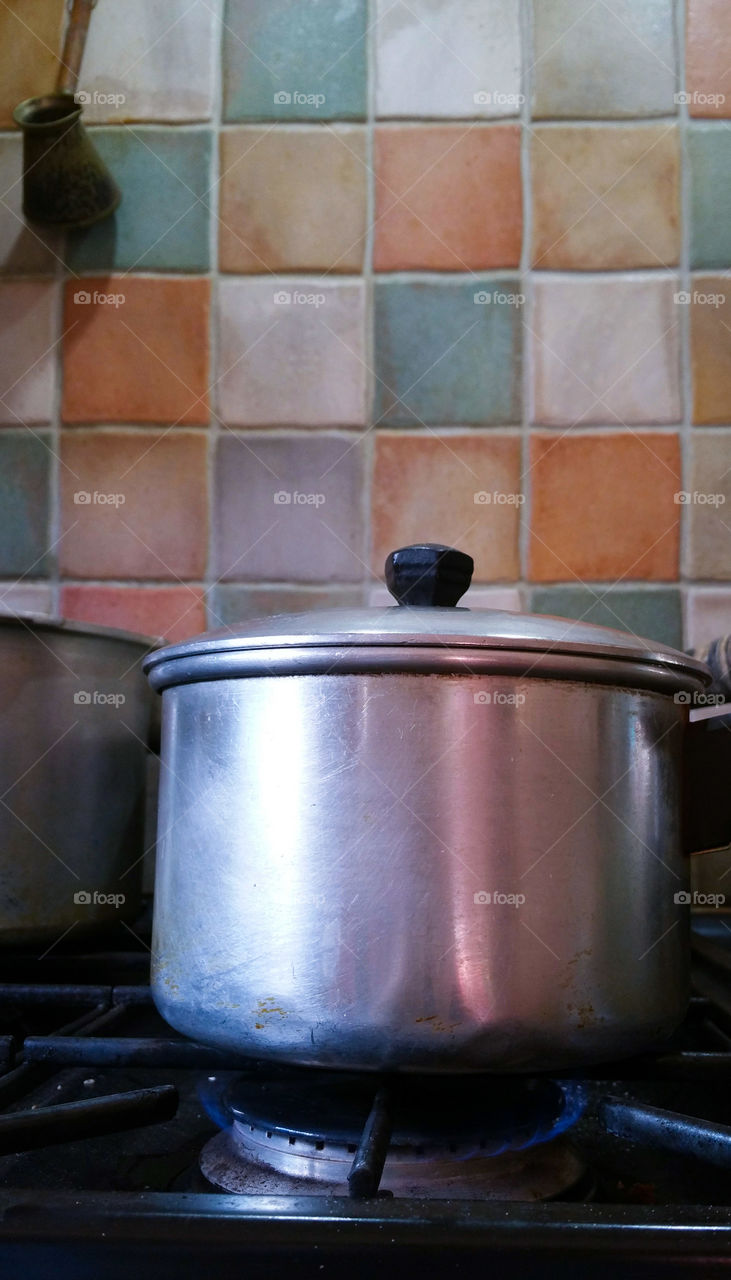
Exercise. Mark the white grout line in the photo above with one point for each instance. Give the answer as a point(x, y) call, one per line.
point(214, 197)
point(684, 277)
point(527, 289)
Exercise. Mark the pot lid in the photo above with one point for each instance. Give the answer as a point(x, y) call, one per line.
point(425, 631)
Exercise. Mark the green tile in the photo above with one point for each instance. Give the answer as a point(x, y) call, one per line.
point(160, 225)
point(234, 603)
point(294, 60)
point(709, 150)
point(655, 615)
point(24, 502)
point(444, 358)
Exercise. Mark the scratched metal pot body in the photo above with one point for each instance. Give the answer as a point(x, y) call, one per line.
point(422, 839)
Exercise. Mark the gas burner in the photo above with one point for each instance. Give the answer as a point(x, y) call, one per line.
point(486, 1138)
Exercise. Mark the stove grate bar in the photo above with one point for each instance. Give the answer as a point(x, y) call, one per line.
point(370, 1157)
point(127, 1051)
point(667, 1130)
point(91, 1118)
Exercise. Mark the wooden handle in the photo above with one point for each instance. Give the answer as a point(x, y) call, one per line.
point(73, 45)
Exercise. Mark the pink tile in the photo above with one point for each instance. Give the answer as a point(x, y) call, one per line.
point(28, 356)
point(292, 352)
point(172, 612)
point(133, 504)
point(448, 197)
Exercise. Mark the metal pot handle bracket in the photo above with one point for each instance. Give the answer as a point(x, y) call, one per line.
point(708, 762)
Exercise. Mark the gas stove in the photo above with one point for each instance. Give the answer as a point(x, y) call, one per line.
point(123, 1145)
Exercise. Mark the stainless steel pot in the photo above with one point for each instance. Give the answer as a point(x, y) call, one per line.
point(74, 719)
point(423, 838)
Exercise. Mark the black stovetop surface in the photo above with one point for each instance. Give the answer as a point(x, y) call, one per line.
point(112, 1201)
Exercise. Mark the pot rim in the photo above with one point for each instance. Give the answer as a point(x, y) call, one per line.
point(51, 622)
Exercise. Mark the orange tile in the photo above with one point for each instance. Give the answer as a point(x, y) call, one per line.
point(603, 507)
point(448, 197)
point(605, 197)
point(30, 43)
point(293, 198)
point(133, 504)
point(710, 343)
point(172, 612)
point(460, 490)
point(144, 359)
point(708, 58)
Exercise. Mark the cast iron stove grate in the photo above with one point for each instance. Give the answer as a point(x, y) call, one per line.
point(654, 1134)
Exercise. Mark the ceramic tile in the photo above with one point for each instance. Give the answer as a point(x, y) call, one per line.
point(30, 44)
point(448, 352)
point(22, 248)
point(133, 504)
point(503, 598)
point(25, 465)
point(289, 508)
point(709, 506)
point(708, 57)
point(159, 58)
point(453, 58)
point(709, 152)
point(605, 197)
point(284, 60)
point(162, 222)
point(606, 351)
point(708, 616)
point(448, 197)
point(25, 597)
point(648, 614)
point(435, 489)
point(615, 58)
point(603, 506)
point(293, 198)
point(291, 352)
point(174, 613)
point(710, 341)
point(233, 603)
point(144, 359)
point(27, 354)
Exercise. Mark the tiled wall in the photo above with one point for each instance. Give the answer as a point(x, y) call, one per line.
point(453, 270)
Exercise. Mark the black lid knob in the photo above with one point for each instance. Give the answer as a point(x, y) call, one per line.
point(428, 574)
